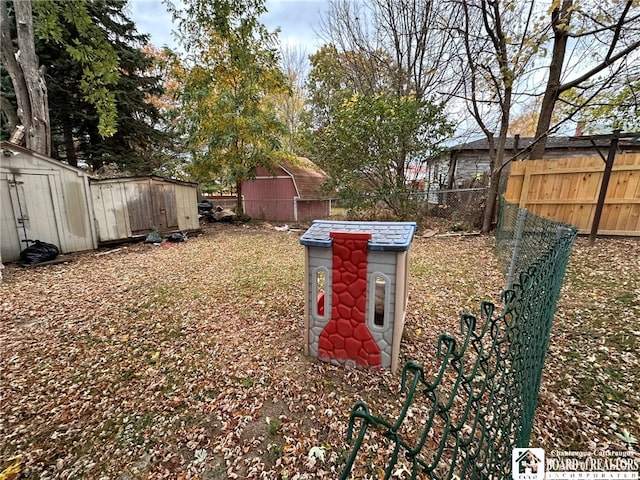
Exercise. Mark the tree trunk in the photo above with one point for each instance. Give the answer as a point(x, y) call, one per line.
point(498, 162)
point(8, 51)
point(492, 201)
point(494, 180)
point(552, 91)
point(70, 147)
point(560, 22)
point(26, 76)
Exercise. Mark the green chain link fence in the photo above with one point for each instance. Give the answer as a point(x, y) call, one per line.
point(480, 405)
point(521, 237)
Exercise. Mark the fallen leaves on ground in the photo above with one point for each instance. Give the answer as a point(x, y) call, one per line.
point(590, 391)
point(186, 360)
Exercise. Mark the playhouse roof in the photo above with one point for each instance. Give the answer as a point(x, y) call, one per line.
point(385, 236)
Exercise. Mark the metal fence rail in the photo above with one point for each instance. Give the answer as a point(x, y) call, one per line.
point(481, 402)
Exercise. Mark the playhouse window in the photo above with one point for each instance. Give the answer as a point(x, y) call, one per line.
point(320, 281)
point(379, 303)
point(319, 290)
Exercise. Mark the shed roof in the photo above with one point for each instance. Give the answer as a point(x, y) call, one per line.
point(385, 236)
point(142, 177)
point(307, 176)
point(8, 146)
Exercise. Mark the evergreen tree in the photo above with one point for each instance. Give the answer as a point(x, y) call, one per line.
point(137, 144)
point(99, 82)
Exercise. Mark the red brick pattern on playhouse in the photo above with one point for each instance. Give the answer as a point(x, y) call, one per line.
point(346, 336)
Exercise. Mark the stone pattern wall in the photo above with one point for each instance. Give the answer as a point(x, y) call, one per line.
point(385, 263)
point(346, 337)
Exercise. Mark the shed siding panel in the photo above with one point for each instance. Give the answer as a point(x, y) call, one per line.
point(75, 213)
point(110, 206)
point(102, 213)
point(313, 209)
point(269, 188)
point(187, 207)
point(170, 205)
point(163, 203)
point(276, 172)
point(9, 240)
point(270, 199)
point(136, 206)
point(139, 206)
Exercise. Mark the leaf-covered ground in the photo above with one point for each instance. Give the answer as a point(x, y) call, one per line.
point(186, 360)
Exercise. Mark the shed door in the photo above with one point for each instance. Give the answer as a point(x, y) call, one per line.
point(32, 201)
point(151, 206)
point(139, 206)
point(165, 211)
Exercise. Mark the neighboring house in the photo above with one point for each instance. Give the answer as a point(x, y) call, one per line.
point(129, 207)
point(469, 162)
point(430, 175)
point(42, 199)
point(289, 193)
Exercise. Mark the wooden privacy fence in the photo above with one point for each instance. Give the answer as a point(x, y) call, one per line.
point(567, 189)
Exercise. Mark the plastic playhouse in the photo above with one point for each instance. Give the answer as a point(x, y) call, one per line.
point(356, 291)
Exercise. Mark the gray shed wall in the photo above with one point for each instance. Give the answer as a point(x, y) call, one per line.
point(42, 199)
point(128, 207)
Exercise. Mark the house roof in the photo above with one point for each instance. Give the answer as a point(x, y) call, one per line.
point(559, 143)
point(307, 176)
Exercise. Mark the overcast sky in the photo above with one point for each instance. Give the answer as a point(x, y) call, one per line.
point(298, 21)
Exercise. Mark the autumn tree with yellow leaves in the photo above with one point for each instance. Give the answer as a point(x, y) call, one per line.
point(228, 79)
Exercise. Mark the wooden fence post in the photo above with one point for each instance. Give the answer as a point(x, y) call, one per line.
point(604, 186)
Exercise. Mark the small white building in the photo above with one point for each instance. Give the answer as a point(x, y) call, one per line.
point(42, 199)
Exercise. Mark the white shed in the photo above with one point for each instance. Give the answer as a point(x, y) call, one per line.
point(42, 199)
